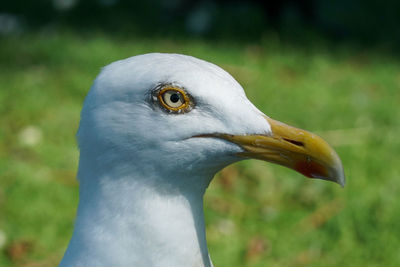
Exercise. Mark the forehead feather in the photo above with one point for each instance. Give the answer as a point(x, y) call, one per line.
point(141, 73)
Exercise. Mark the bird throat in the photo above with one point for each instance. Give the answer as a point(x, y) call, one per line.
point(132, 221)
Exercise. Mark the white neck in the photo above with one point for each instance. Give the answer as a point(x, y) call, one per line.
point(132, 221)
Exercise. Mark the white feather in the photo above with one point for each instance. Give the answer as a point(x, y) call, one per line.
point(142, 177)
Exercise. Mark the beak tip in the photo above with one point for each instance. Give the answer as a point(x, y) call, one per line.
point(338, 173)
point(335, 174)
point(341, 179)
point(338, 177)
point(335, 171)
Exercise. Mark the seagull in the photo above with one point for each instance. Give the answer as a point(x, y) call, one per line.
point(154, 130)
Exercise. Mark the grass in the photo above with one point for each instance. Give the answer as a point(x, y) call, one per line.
point(257, 214)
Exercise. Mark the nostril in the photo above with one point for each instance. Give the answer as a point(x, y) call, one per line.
point(294, 142)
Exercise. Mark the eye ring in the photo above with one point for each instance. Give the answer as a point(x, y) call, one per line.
point(174, 99)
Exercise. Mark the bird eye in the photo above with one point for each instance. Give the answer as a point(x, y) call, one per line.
point(174, 99)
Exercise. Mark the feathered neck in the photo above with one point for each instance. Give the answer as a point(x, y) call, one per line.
point(136, 220)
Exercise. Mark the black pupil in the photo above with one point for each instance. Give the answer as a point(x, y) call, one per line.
point(174, 98)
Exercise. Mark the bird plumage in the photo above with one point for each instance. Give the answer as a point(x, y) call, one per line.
point(143, 171)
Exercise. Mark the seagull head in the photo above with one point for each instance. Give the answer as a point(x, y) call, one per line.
point(185, 117)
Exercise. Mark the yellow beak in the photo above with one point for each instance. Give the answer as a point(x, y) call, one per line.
point(294, 148)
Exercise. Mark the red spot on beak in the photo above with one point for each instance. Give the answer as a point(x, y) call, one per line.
point(311, 169)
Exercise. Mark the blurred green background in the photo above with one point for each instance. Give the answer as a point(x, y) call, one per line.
point(331, 67)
